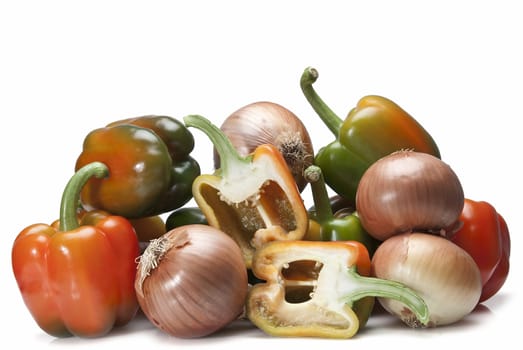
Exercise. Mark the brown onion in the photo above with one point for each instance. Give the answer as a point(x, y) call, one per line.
point(268, 122)
point(444, 275)
point(192, 281)
point(409, 191)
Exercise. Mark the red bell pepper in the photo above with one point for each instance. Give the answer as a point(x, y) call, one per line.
point(485, 236)
point(78, 279)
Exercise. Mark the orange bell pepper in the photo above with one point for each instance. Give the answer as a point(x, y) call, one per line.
point(254, 199)
point(78, 280)
point(312, 289)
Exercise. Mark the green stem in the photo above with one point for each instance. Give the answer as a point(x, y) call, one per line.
point(321, 199)
point(71, 194)
point(377, 287)
point(326, 114)
point(230, 159)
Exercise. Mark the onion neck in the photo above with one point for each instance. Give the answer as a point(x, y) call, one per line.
point(71, 194)
point(356, 287)
point(230, 159)
point(333, 122)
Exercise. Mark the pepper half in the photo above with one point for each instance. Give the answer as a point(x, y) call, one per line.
point(373, 129)
point(254, 199)
point(311, 288)
point(78, 280)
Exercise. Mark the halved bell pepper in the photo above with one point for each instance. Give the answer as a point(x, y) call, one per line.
point(311, 288)
point(150, 169)
point(254, 199)
point(78, 280)
point(375, 128)
point(340, 226)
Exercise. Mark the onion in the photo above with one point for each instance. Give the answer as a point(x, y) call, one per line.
point(192, 281)
point(268, 122)
point(409, 191)
point(444, 275)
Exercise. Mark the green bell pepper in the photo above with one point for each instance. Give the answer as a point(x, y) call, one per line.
point(180, 143)
point(150, 169)
point(344, 225)
point(185, 216)
point(373, 129)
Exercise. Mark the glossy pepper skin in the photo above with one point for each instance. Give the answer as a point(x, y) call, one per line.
point(254, 199)
point(185, 216)
point(150, 171)
point(485, 236)
point(374, 128)
point(78, 280)
point(344, 225)
point(180, 143)
point(311, 288)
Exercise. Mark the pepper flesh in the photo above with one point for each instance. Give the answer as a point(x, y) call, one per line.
point(311, 288)
point(373, 129)
point(254, 199)
point(78, 280)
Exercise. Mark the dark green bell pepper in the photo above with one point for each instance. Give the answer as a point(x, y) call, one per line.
point(373, 129)
point(344, 225)
point(180, 143)
point(185, 216)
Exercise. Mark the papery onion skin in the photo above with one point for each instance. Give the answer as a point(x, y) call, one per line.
point(199, 283)
point(268, 122)
point(444, 275)
point(409, 191)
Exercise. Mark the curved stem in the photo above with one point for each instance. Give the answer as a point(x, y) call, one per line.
point(71, 194)
point(377, 287)
point(229, 156)
point(320, 196)
point(326, 114)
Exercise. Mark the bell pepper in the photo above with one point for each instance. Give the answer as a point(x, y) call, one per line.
point(180, 144)
point(373, 129)
point(185, 216)
point(78, 280)
point(150, 170)
point(342, 226)
point(311, 288)
point(484, 234)
point(253, 198)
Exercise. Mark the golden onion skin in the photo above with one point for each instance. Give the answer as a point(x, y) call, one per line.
point(409, 191)
point(444, 275)
point(192, 281)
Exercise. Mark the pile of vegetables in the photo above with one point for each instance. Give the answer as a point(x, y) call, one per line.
point(399, 231)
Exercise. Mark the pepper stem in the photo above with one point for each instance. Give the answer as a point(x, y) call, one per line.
point(71, 194)
point(361, 286)
point(230, 159)
point(322, 205)
point(333, 122)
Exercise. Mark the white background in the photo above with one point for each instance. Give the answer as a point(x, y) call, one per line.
point(67, 67)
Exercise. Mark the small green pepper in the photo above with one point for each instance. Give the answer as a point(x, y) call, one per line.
point(373, 129)
point(344, 225)
point(185, 216)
